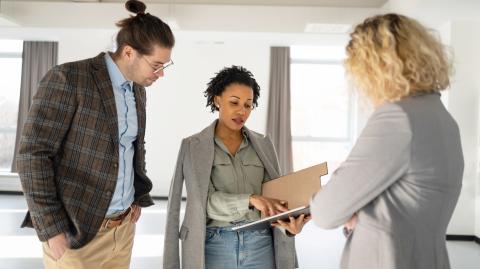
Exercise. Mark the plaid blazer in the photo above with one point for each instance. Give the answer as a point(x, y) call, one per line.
point(68, 155)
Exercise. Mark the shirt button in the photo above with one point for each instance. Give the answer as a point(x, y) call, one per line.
point(115, 165)
point(109, 192)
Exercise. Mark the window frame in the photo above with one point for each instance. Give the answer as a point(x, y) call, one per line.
point(10, 130)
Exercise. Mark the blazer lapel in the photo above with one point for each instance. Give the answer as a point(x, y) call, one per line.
point(202, 155)
point(104, 86)
point(141, 113)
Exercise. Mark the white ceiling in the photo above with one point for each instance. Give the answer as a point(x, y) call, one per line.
point(316, 3)
point(188, 17)
point(273, 16)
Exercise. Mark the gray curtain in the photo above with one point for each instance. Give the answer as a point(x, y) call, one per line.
point(38, 57)
point(278, 118)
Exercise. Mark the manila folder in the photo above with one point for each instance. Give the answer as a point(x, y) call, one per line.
point(296, 188)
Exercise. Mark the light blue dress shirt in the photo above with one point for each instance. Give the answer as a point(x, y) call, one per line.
point(127, 133)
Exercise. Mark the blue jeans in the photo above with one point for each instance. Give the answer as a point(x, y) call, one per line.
point(248, 249)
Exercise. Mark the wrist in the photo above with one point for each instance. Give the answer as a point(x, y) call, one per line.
point(58, 239)
point(251, 200)
point(57, 236)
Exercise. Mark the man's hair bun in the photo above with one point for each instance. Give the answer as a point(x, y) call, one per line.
point(135, 6)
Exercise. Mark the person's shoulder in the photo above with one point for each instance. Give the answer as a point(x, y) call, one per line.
point(196, 136)
point(190, 138)
point(256, 135)
point(206, 133)
point(261, 139)
point(421, 101)
point(74, 73)
point(390, 116)
point(81, 66)
point(390, 107)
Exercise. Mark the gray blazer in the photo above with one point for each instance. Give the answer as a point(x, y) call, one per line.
point(194, 166)
point(403, 177)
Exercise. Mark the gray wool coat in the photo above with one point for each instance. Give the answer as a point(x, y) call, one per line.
point(403, 177)
point(194, 166)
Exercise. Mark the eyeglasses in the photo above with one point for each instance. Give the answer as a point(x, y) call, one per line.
point(157, 69)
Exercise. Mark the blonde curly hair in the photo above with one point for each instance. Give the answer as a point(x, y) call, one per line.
point(391, 56)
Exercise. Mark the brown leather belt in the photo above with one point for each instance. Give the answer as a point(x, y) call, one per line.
point(116, 221)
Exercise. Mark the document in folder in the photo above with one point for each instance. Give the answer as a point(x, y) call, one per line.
point(296, 188)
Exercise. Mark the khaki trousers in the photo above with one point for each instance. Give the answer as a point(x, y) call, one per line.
point(111, 248)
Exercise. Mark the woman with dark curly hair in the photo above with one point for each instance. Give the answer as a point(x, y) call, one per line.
point(223, 168)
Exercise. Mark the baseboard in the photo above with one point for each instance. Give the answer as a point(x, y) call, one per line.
point(159, 198)
point(164, 198)
point(456, 237)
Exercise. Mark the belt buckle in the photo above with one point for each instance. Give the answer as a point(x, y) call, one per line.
point(109, 221)
point(119, 218)
point(238, 222)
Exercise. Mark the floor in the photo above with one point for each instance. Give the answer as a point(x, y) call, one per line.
point(20, 248)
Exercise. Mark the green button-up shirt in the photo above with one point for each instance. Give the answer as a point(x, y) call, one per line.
point(234, 178)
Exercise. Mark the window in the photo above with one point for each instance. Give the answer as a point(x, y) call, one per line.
point(11, 70)
point(322, 108)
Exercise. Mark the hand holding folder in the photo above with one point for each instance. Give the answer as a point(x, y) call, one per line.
point(296, 189)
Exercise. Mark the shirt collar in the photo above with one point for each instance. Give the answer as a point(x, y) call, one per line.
point(116, 76)
point(244, 143)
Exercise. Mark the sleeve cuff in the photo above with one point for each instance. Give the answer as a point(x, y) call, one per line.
point(243, 203)
point(47, 228)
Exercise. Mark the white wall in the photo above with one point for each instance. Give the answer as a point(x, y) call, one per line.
point(176, 106)
point(464, 106)
point(436, 12)
point(241, 18)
